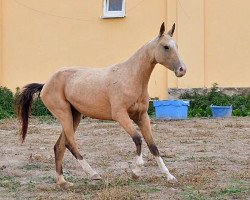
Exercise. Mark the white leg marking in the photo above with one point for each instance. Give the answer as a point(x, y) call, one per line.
point(86, 167)
point(164, 169)
point(139, 160)
point(60, 179)
point(139, 163)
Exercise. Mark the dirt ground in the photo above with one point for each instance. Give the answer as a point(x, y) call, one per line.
point(209, 157)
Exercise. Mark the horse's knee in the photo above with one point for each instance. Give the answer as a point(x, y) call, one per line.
point(153, 149)
point(138, 141)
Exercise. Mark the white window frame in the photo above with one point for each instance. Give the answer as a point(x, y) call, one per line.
point(113, 14)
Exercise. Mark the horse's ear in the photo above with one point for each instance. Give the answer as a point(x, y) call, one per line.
point(162, 29)
point(171, 31)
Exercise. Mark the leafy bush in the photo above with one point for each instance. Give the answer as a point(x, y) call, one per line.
point(38, 108)
point(200, 103)
point(6, 103)
point(241, 105)
point(151, 108)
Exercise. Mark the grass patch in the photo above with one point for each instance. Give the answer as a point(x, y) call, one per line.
point(31, 186)
point(118, 188)
point(9, 183)
point(47, 179)
point(235, 191)
point(117, 193)
point(194, 194)
point(46, 119)
point(31, 166)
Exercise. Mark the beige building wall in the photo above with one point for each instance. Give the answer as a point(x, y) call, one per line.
point(39, 37)
point(213, 39)
point(189, 16)
point(227, 44)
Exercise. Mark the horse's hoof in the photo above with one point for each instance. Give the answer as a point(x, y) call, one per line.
point(135, 176)
point(171, 179)
point(96, 177)
point(64, 185)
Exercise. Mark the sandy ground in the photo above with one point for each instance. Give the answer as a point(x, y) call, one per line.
point(209, 157)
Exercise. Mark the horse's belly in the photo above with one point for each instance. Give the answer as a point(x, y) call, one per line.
point(95, 112)
point(93, 107)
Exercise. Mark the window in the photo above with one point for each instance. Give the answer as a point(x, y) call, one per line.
point(113, 8)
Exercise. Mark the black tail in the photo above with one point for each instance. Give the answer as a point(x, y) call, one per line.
point(23, 102)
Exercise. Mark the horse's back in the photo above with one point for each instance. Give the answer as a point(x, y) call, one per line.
point(86, 89)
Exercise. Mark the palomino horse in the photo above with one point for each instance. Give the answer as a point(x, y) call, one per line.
point(118, 92)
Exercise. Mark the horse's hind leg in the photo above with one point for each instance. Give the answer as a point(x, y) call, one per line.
point(60, 148)
point(66, 117)
point(144, 124)
point(86, 167)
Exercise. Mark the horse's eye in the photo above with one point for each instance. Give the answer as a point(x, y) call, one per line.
point(166, 47)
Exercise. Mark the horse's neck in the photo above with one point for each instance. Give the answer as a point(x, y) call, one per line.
point(141, 64)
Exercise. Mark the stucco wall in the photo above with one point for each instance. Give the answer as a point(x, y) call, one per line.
point(39, 37)
point(227, 44)
point(213, 38)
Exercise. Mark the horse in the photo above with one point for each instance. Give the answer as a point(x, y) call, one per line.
point(118, 92)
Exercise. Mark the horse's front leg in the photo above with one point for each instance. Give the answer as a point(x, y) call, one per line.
point(144, 124)
point(124, 120)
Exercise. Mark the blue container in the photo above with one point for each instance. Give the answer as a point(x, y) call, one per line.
point(221, 111)
point(171, 109)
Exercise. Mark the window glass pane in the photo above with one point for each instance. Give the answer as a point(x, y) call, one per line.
point(115, 5)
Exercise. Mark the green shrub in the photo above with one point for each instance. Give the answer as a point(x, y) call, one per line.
point(200, 103)
point(6, 103)
point(151, 108)
point(38, 108)
point(241, 105)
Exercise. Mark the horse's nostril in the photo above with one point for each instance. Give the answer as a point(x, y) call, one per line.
point(181, 69)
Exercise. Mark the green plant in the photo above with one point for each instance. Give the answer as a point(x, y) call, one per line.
point(38, 108)
point(241, 105)
point(200, 103)
point(6, 103)
point(151, 109)
point(9, 183)
point(236, 191)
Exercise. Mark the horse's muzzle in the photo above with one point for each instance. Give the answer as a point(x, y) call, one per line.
point(181, 71)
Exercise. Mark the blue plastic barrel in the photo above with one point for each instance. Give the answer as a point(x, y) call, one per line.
point(221, 111)
point(171, 109)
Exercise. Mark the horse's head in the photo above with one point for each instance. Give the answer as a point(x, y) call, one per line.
point(166, 52)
